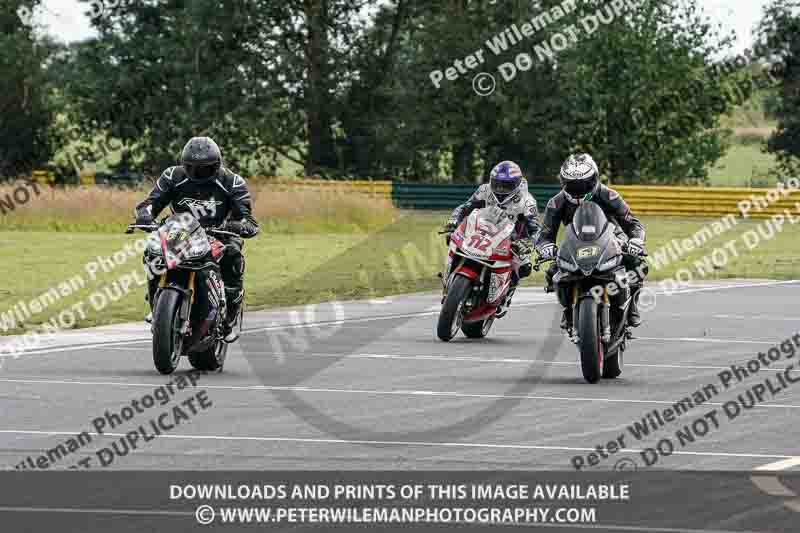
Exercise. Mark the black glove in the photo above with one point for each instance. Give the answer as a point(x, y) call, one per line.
point(548, 251)
point(233, 227)
point(521, 248)
point(450, 226)
point(144, 219)
point(635, 246)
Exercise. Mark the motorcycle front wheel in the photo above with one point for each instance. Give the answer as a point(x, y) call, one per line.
point(451, 315)
point(590, 343)
point(167, 339)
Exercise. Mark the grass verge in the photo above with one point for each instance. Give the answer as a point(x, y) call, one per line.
point(107, 209)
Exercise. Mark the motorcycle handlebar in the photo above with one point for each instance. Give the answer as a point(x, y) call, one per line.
point(153, 227)
point(143, 227)
point(539, 262)
point(221, 232)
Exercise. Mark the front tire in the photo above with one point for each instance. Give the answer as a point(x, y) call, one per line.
point(452, 314)
point(478, 330)
point(591, 345)
point(167, 339)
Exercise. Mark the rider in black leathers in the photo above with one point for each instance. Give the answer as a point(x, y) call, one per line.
point(218, 198)
point(580, 177)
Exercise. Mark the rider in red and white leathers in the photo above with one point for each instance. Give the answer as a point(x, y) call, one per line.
point(508, 190)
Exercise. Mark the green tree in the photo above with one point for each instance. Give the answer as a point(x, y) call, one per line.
point(162, 72)
point(416, 130)
point(648, 81)
point(779, 33)
point(641, 93)
point(25, 106)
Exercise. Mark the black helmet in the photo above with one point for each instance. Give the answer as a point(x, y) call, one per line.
point(579, 176)
point(202, 159)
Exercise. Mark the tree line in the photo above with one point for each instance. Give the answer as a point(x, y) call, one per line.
point(345, 88)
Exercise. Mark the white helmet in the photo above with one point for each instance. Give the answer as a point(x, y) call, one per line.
point(579, 176)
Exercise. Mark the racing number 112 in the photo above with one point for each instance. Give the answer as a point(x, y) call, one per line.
point(478, 241)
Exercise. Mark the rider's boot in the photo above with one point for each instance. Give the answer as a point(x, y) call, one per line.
point(634, 318)
point(567, 325)
point(149, 299)
point(502, 310)
point(231, 327)
point(566, 318)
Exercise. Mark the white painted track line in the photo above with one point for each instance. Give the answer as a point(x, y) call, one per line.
point(500, 360)
point(376, 392)
point(319, 441)
point(780, 465)
point(712, 340)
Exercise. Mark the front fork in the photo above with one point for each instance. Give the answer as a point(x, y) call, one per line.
point(603, 312)
point(186, 302)
point(453, 264)
point(605, 317)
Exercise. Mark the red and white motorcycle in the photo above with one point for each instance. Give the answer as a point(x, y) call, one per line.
point(478, 276)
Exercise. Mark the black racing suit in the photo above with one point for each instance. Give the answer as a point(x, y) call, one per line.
point(223, 199)
point(560, 210)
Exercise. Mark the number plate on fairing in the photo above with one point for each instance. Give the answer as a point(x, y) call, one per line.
point(485, 232)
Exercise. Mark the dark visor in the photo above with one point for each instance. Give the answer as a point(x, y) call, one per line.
point(504, 186)
point(579, 187)
point(201, 172)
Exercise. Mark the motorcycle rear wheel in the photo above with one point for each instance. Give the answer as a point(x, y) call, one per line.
point(590, 343)
point(451, 315)
point(167, 339)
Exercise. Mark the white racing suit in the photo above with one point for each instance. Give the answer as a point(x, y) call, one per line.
point(522, 206)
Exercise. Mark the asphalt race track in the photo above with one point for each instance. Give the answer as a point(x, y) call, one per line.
point(366, 385)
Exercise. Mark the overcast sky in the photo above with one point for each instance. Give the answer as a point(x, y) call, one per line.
point(64, 18)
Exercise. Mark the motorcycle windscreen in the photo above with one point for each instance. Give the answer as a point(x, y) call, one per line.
point(589, 222)
point(183, 239)
point(487, 230)
point(589, 241)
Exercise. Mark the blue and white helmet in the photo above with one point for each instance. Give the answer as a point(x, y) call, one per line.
point(505, 180)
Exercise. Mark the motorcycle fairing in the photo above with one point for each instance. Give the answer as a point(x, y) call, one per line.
point(487, 233)
point(499, 283)
point(589, 241)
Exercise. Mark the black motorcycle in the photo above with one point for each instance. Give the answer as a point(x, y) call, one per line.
point(189, 307)
point(593, 282)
